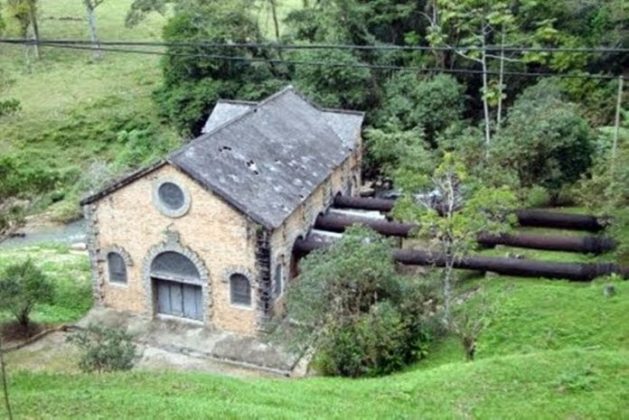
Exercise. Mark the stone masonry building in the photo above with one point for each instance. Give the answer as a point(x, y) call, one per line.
point(206, 234)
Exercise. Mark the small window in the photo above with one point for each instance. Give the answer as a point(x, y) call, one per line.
point(117, 268)
point(171, 196)
point(240, 289)
point(278, 286)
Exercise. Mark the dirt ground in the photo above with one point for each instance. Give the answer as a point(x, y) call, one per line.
point(166, 345)
point(53, 354)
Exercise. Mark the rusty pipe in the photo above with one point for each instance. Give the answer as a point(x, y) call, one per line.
point(505, 266)
point(526, 217)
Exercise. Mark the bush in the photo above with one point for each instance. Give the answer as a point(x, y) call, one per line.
point(104, 349)
point(545, 141)
point(389, 147)
point(9, 107)
point(22, 286)
point(375, 344)
point(357, 313)
point(430, 103)
point(537, 196)
point(336, 86)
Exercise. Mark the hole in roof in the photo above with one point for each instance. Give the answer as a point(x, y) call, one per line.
point(222, 148)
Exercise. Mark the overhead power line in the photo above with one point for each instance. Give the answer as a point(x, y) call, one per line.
point(88, 47)
point(267, 45)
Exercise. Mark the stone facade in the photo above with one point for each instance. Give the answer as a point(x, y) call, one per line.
point(176, 238)
point(217, 238)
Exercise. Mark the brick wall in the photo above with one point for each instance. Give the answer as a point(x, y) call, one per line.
point(222, 238)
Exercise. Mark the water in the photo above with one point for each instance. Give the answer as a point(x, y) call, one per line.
point(66, 234)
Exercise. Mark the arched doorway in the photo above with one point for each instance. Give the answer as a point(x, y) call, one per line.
point(177, 286)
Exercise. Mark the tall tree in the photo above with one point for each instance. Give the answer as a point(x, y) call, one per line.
point(25, 13)
point(90, 7)
point(471, 24)
point(463, 210)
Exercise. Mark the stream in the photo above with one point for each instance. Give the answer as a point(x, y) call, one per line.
point(63, 234)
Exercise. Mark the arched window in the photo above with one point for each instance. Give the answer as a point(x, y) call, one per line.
point(278, 284)
point(240, 290)
point(117, 268)
point(172, 265)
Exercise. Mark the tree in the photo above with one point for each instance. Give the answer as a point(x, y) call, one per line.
point(352, 308)
point(22, 286)
point(192, 84)
point(390, 149)
point(430, 103)
point(545, 140)
point(341, 83)
point(25, 12)
point(471, 23)
point(464, 208)
point(5, 385)
point(90, 7)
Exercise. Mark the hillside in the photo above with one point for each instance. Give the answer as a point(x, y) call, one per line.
point(80, 120)
point(552, 349)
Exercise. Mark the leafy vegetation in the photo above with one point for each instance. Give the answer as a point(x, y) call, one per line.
point(104, 349)
point(70, 273)
point(22, 286)
point(546, 349)
point(353, 309)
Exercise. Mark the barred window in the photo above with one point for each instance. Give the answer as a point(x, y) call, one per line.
point(117, 268)
point(240, 289)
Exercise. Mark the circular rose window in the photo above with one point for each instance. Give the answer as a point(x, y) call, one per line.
point(171, 198)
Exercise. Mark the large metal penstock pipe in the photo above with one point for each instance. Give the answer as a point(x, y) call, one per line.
point(506, 266)
point(586, 244)
point(551, 219)
point(338, 223)
point(526, 217)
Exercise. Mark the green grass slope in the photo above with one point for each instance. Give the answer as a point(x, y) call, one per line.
point(553, 349)
point(552, 384)
point(76, 111)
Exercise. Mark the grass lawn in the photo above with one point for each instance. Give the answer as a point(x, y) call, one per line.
point(551, 384)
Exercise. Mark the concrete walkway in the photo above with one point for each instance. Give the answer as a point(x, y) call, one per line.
point(173, 342)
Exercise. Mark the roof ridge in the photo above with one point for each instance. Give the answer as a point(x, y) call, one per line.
point(239, 118)
point(236, 102)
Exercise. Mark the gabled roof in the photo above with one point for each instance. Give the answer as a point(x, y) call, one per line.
point(265, 160)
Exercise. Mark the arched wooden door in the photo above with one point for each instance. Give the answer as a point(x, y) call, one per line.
point(177, 286)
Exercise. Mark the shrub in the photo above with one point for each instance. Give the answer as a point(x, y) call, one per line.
point(376, 343)
point(22, 286)
point(388, 148)
point(430, 103)
point(104, 349)
point(9, 107)
point(537, 196)
point(357, 313)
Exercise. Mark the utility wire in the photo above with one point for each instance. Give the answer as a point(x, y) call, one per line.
point(495, 48)
point(331, 64)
